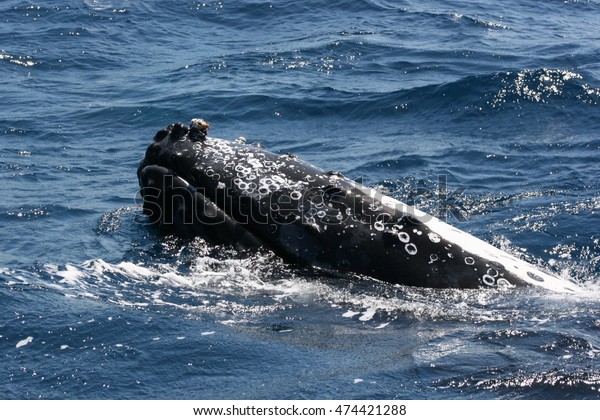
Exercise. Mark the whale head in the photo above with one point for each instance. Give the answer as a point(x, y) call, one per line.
point(242, 195)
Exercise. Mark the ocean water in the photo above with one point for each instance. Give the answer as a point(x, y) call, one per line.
point(485, 113)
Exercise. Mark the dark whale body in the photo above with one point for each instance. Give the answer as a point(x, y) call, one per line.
point(245, 196)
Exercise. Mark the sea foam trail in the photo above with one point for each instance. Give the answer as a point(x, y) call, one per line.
point(243, 286)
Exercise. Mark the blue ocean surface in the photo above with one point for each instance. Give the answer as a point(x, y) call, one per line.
point(484, 113)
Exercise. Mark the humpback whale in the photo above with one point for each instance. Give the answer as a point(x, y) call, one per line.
point(242, 195)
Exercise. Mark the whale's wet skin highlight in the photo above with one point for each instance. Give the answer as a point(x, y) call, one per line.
point(484, 115)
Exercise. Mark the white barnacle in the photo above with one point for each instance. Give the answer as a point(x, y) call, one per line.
point(434, 237)
point(492, 272)
point(397, 228)
point(502, 282)
point(255, 163)
point(280, 179)
point(488, 280)
point(404, 237)
point(411, 248)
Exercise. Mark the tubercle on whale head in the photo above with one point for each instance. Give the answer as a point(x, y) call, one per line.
point(173, 132)
point(163, 150)
point(197, 131)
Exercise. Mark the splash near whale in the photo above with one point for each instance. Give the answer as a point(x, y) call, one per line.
point(242, 195)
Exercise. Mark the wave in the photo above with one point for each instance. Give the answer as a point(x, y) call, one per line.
point(552, 92)
point(25, 212)
point(19, 60)
point(556, 382)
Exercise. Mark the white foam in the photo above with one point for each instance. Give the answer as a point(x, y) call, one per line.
point(233, 288)
point(368, 314)
point(24, 342)
point(71, 275)
point(349, 314)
